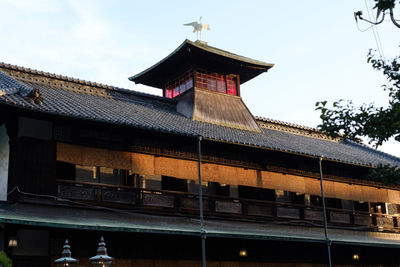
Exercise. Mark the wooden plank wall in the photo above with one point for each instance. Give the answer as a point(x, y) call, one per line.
point(222, 109)
point(187, 169)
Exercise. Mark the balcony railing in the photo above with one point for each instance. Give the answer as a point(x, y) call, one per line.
point(159, 201)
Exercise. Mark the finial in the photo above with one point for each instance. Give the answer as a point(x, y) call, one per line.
point(198, 26)
point(102, 250)
point(66, 249)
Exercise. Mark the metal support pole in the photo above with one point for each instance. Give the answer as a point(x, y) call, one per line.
point(328, 241)
point(202, 230)
point(2, 238)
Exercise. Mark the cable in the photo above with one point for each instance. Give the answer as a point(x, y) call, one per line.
point(377, 38)
point(358, 27)
point(375, 32)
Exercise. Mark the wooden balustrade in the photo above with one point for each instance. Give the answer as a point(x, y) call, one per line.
point(188, 203)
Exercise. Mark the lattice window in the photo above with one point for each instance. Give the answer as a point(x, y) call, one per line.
point(179, 85)
point(216, 82)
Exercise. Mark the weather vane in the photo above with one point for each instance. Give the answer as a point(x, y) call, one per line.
point(198, 26)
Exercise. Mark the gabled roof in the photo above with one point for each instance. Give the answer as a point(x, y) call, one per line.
point(199, 55)
point(64, 96)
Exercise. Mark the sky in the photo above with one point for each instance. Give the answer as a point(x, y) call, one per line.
point(318, 51)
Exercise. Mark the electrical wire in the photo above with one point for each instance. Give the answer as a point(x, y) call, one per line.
point(375, 32)
point(377, 38)
point(358, 27)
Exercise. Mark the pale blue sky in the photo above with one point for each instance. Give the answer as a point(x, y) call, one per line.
point(318, 52)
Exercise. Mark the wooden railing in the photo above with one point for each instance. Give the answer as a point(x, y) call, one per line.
point(226, 207)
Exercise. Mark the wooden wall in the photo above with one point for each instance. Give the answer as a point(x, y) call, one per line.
point(33, 165)
point(187, 169)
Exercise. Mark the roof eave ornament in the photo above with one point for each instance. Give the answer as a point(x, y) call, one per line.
point(198, 26)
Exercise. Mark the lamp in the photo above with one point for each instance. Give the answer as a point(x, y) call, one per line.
point(102, 259)
point(13, 242)
point(243, 252)
point(66, 259)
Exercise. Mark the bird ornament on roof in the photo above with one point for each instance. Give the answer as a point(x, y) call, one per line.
point(198, 27)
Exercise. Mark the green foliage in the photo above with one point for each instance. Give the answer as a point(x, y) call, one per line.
point(6, 261)
point(385, 174)
point(384, 4)
point(378, 124)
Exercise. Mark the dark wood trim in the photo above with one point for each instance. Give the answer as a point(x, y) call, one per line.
point(165, 201)
point(237, 85)
point(194, 71)
point(226, 84)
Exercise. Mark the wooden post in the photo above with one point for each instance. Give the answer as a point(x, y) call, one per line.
point(237, 85)
point(194, 78)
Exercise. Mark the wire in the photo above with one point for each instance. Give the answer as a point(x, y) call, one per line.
point(377, 38)
point(358, 27)
point(375, 32)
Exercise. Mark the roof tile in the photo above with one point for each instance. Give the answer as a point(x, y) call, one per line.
point(121, 106)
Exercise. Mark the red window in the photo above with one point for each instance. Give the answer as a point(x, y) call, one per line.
point(179, 85)
point(216, 82)
point(208, 80)
point(168, 92)
point(231, 85)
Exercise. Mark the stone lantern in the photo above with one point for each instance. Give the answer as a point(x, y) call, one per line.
point(102, 259)
point(66, 259)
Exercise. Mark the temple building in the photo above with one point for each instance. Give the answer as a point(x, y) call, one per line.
point(160, 176)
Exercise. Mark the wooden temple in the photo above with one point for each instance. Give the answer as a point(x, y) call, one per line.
point(81, 160)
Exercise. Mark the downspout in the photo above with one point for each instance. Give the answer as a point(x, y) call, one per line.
point(202, 230)
point(327, 240)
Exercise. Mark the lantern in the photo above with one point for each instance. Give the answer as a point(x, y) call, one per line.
point(102, 259)
point(13, 242)
point(66, 259)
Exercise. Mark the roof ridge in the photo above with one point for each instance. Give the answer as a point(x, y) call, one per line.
point(263, 119)
point(349, 141)
point(206, 46)
point(383, 153)
point(79, 81)
point(56, 76)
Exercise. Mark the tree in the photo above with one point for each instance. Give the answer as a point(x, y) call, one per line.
point(4, 260)
point(377, 124)
point(381, 7)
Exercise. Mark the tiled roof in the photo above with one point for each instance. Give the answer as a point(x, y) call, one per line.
point(75, 98)
point(199, 55)
point(10, 86)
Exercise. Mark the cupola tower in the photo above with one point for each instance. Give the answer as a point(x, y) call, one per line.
point(205, 81)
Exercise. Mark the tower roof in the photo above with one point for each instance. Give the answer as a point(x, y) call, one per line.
point(200, 55)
